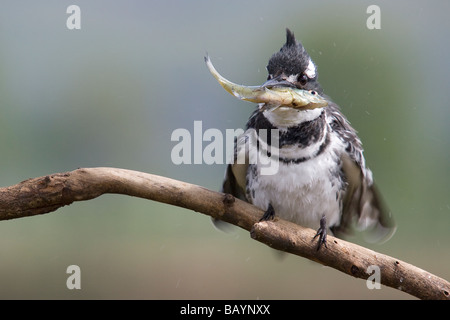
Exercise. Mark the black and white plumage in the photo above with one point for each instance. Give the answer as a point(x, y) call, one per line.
point(321, 180)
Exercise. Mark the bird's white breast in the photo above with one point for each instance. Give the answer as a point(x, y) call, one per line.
point(303, 192)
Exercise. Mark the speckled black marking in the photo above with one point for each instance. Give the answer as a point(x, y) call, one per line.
point(337, 177)
point(324, 145)
point(302, 135)
point(322, 148)
point(305, 134)
point(252, 176)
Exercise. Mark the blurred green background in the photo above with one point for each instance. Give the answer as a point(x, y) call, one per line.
point(112, 93)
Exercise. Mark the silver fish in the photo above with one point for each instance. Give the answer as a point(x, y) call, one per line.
point(275, 96)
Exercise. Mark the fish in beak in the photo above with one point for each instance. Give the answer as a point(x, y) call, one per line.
point(275, 92)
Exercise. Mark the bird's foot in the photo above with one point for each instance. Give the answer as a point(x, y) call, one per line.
point(322, 233)
point(269, 214)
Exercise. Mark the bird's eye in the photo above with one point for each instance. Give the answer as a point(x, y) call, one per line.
point(313, 92)
point(303, 79)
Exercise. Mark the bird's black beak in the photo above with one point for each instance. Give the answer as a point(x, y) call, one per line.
point(279, 81)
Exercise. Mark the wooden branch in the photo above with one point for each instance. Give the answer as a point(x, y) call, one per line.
point(48, 193)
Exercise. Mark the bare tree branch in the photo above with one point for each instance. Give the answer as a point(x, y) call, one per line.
point(48, 193)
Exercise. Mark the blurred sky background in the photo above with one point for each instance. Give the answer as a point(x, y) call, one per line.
point(112, 93)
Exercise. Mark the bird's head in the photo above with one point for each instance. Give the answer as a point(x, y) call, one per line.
point(292, 81)
point(292, 67)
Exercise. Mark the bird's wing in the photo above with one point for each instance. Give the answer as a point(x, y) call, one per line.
point(362, 203)
point(236, 174)
point(234, 182)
